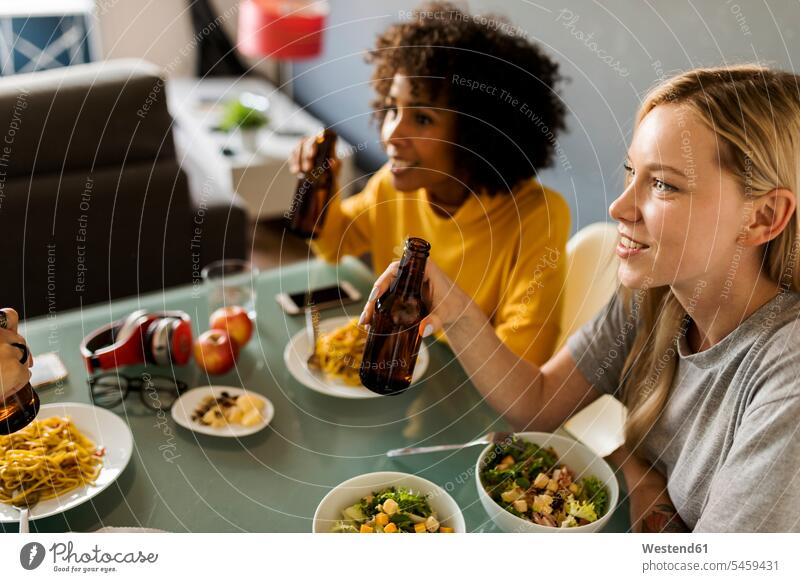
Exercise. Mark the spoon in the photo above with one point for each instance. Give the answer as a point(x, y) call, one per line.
point(28, 501)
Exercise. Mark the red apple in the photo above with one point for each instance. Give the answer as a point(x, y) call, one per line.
point(235, 321)
point(216, 352)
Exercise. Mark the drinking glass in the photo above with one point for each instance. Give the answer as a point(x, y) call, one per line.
point(231, 282)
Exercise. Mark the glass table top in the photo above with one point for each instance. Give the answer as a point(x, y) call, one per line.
point(272, 481)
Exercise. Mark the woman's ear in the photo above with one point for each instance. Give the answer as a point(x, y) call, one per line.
point(768, 216)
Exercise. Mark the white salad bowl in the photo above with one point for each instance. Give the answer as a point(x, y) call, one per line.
point(349, 492)
point(578, 458)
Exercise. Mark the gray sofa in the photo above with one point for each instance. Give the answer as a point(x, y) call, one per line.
point(94, 204)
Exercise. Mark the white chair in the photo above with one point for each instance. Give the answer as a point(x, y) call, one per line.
point(591, 276)
point(590, 284)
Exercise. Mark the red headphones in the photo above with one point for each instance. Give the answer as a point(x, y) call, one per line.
point(161, 338)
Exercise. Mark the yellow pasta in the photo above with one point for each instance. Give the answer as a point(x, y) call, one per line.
point(50, 456)
point(340, 351)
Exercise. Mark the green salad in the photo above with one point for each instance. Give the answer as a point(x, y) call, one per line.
point(529, 482)
point(391, 510)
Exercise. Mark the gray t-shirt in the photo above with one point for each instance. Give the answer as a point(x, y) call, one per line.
point(728, 440)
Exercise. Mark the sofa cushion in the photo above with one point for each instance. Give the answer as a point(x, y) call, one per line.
point(80, 238)
point(100, 114)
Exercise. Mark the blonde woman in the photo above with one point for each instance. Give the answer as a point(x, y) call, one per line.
point(702, 342)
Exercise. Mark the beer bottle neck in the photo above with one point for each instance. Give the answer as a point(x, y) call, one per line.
point(326, 143)
point(412, 267)
point(412, 270)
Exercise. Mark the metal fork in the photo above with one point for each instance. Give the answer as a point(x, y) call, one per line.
point(497, 438)
point(312, 328)
point(28, 501)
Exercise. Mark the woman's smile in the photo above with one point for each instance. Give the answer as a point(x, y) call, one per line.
point(401, 166)
point(627, 247)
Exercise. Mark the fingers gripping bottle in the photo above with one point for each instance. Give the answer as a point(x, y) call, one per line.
point(314, 190)
point(394, 340)
point(19, 409)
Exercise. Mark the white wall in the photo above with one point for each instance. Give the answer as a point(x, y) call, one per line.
point(647, 38)
point(155, 30)
point(161, 32)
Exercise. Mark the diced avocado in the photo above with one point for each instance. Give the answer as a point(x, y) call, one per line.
point(343, 527)
point(354, 513)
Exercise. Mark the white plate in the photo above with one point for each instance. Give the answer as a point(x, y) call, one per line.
point(184, 407)
point(105, 429)
point(299, 348)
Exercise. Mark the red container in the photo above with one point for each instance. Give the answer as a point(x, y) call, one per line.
point(281, 29)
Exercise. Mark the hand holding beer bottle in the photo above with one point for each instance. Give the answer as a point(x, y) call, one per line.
point(314, 161)
point(448, 305)
point(394, 338)
point(19, 403)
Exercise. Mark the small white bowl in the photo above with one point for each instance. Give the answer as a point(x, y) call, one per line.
point(351, 491)
point(580, 460)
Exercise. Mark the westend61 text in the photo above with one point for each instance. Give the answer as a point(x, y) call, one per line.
point(675, 549)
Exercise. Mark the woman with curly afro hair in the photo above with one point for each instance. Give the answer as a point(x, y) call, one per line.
point(468, 113)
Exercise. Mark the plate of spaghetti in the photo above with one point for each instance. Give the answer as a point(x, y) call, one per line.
point(340, 347)
point(69, 454)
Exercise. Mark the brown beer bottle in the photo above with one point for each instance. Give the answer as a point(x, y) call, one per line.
point(393, 340)
point(18, 410)
point(314, 190)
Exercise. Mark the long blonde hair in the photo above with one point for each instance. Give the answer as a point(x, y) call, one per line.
point(755, 114)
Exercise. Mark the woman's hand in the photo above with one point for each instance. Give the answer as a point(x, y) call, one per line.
point(529, 397)
point(652, 511)
point(14, 374)
point(447, 303)
point(302, 157)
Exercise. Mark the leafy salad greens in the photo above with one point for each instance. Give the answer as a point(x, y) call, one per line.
point(528, 481)
point(390, 510)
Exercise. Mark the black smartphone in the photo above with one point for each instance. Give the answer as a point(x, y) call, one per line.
point(323, 297)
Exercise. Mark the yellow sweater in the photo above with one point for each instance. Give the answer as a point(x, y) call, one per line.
point(507, 252)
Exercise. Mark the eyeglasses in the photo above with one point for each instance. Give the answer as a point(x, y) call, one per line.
point(157, 392)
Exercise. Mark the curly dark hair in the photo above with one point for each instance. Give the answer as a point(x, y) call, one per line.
point(501, 85)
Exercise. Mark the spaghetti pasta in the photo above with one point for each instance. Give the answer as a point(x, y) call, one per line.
point(340, 351)
point(49, 456)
